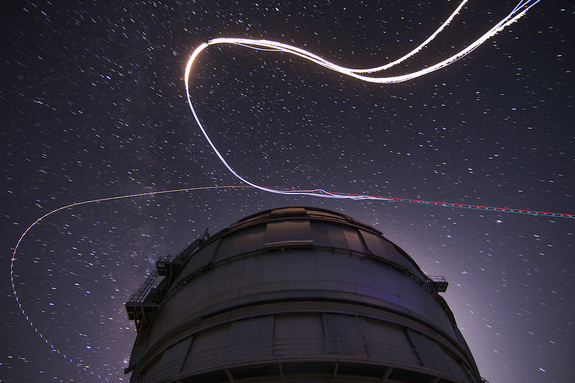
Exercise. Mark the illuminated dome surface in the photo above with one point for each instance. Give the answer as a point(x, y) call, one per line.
point(303, 294)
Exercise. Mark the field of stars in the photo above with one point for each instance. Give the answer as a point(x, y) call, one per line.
point(94, 106)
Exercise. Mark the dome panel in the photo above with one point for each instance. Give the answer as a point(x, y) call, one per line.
point(295, 293)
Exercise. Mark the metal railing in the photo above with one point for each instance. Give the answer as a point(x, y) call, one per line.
point(310, 349)
point(154, 278)
point(151, 282)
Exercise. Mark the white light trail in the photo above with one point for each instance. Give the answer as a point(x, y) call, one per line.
point(13, 259)
point(518, 12)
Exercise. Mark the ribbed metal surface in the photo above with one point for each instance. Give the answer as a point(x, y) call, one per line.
point(297, 292)
point(284, 352)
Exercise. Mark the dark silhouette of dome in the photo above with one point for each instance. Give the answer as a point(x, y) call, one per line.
point(299, 294)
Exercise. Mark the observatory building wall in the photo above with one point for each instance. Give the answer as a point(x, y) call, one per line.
point(299, 292)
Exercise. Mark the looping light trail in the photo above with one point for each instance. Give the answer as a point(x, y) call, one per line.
point(362, 74)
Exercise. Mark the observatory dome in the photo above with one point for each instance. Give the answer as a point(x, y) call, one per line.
point(299, 294)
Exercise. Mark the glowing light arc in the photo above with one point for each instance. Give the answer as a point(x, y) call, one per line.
point(14, 258)
point(360, 74)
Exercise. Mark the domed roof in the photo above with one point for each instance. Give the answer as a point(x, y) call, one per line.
point(271, 273)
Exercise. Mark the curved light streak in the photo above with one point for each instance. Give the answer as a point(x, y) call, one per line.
point(13, 259)
point(268, 45)
point(275, 46)
point(278, 190)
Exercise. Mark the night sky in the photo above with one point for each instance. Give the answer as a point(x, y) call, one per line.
point(93, 105)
